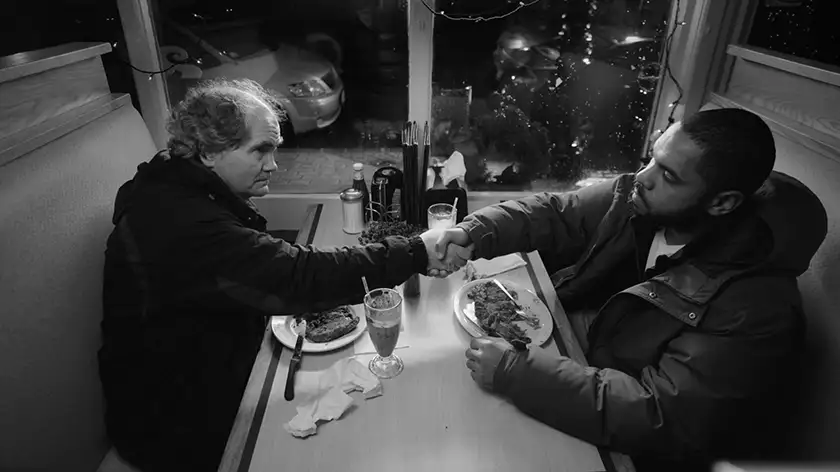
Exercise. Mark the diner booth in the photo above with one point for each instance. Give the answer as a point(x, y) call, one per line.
point(67, 143)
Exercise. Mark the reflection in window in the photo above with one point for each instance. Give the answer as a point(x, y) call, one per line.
point(548, 95)
point(802, 28)
point(341, 68)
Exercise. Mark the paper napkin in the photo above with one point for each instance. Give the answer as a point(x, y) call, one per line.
point(324, 394)
point(484, 268)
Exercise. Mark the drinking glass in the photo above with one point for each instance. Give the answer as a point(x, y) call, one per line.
point(441, 216)
point(383, 311)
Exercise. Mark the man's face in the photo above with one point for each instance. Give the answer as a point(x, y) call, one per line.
point(247, 169)
point(669, 191)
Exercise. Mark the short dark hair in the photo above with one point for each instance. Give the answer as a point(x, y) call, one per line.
point(738, 149)
point(211, 117)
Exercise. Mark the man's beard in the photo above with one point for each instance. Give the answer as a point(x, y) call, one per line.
point(688, 219)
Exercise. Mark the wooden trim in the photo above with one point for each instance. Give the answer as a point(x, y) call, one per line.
point(23, 64)
point(802, 67)
point(569, 346)
point(246, 426)
point(236, 454)
point(420, 64)
point(36, 136)
point(143, 53)
point(826, 145)
point(740, 25)
point(306, 234)
point(688, 46)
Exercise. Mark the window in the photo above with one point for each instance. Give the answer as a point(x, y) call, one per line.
point(548, 94)
point(340, 68)
point(802, 28)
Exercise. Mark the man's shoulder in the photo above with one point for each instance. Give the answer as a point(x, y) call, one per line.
point(169, 205)
point(755, 304)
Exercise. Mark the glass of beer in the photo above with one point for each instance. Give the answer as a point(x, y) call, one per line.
point(441, 216)
point(383, 311)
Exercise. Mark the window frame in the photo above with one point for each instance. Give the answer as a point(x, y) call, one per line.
point(732, 55)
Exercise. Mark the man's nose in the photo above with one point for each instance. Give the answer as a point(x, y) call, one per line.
point(643, 177)
point(270, 165)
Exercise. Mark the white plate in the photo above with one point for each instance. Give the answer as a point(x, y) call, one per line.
point(465, 311)
point(283, 329)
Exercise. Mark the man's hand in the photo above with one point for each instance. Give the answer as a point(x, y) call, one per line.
point(483, 357)
point(454, 248)
point(442, 264)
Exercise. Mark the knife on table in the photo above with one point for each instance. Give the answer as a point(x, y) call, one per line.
point(294, 364)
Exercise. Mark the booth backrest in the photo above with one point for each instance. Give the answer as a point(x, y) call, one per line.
point(55, 207)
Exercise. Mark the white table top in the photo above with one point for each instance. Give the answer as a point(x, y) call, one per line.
point(432, 416)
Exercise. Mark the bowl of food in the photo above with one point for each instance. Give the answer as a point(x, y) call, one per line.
point(325, 331)
point(484, 309)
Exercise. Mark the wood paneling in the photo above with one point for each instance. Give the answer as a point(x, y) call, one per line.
point(33, 62)
point(808, 102)
point(33, 99)
point(18, 144)
point(814, 70)
point(50, 92)
point(819, 143)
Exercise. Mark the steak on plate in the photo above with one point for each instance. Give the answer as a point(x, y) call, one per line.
point(331, 324)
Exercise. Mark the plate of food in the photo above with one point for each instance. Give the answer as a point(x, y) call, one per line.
point(325, 331)
point(483, 309)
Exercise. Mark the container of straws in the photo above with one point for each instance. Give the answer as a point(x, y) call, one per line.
point(414, 171)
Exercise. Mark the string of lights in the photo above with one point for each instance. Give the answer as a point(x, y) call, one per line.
point(151, 74)
point(480, 17)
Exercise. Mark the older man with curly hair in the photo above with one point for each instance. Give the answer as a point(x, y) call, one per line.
point(191, 277)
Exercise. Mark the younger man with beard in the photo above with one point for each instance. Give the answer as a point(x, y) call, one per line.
point(688, 273)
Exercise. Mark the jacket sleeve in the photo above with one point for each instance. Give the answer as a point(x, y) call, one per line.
point(676, 408)
point(540, 221)
point(230, 262)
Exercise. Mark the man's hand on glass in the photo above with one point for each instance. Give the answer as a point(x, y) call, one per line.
point(445, 255)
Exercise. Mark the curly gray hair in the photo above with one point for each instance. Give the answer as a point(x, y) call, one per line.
point(211, 117)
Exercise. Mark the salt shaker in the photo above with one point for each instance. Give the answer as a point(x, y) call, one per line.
point(351, 201)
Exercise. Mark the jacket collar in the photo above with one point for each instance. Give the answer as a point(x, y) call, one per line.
point(193, 175)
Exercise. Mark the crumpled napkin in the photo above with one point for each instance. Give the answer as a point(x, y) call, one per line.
point(325, 394)
point(484, 268)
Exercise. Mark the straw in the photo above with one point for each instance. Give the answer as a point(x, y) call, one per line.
point(455, 210)
point(364, 283)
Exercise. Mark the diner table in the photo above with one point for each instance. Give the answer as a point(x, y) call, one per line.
point(431, 417)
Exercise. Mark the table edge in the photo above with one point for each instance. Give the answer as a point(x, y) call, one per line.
point(569, 346)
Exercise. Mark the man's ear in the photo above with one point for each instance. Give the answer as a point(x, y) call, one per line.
point(725, 202)
point(208, 160)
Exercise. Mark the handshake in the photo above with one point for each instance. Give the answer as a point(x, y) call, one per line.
point(448, 250)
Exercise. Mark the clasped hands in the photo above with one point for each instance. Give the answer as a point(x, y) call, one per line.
point(448, 250)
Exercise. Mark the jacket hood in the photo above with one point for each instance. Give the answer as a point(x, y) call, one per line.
point(779, 230)
point(797, 221)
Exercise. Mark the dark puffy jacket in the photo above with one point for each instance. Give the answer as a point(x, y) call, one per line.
point(685, 358)
point(190, 279)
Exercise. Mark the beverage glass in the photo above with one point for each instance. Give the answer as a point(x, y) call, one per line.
point(383, 311)
point(441, 216)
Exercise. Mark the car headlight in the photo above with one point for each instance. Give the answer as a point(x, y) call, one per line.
point(309, 88)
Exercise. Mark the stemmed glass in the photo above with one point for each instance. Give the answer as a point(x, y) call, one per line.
point(383, 311)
